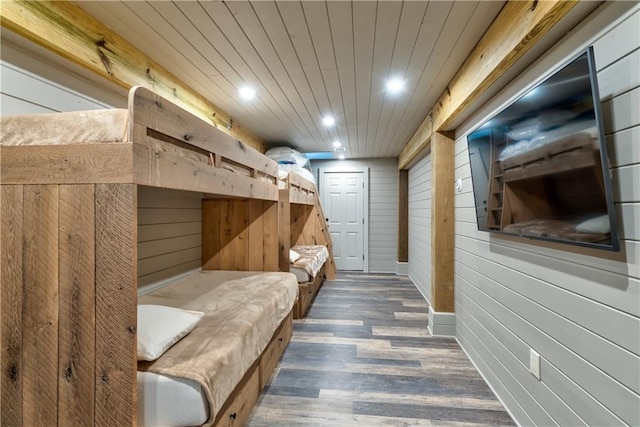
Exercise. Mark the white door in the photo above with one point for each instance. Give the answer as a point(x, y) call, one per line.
point(343, 203)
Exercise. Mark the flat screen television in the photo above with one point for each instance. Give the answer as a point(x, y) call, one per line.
point(539, 167)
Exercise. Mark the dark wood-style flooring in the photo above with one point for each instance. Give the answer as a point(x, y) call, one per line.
point(363, 357)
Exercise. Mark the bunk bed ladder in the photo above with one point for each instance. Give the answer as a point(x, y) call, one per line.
point(330, 270)
point(495, 201)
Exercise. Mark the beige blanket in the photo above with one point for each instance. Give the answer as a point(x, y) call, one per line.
point(312, 258)
point(78, 127)
point(241, 316)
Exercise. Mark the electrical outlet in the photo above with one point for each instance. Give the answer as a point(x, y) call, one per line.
point(459, 185)
point(534, 363)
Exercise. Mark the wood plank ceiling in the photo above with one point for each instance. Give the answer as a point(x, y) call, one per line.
point(308, 59)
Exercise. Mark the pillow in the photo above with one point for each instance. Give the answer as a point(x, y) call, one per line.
point(293, 255)
point(160, 327)
point(597, 225)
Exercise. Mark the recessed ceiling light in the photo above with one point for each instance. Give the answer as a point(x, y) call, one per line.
point(341, 156)
point(395, 85)
point(247, 93)
point(328, 121)
point(337, 144)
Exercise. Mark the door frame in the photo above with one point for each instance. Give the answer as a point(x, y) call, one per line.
point(365, 201)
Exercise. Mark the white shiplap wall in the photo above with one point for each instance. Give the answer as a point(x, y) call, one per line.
point(32, 80)
point(420, 225)
point(578, 308)
point(169, 234)
point(383, 208)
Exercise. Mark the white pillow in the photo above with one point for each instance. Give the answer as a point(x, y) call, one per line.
point(160, 327)
point(598, 225)
point(293, 255)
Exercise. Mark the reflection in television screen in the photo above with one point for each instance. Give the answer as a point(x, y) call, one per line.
point(539, 167)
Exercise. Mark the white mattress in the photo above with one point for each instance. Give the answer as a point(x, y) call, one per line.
point(170, 401)
point(300, 273)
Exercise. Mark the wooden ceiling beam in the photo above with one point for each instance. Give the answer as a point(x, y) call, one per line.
point(66, 29)
point(517, 28)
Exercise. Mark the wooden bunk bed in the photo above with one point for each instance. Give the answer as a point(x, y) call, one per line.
point(302, 223)
point(519, 201)
point(69, 251)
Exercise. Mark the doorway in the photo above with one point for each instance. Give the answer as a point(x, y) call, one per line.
point(344, 197)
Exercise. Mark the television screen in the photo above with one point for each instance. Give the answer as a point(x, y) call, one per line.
point(539, 167)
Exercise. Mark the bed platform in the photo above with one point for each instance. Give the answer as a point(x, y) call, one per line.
point(302, 222)
point(242, 311)
point(69, 248)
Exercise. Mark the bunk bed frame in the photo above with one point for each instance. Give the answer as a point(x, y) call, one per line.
point(302, 222)
point(69, 254)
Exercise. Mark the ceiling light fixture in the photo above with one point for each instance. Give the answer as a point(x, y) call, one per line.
point(337, 144)
point(247, 93)
point(339, 152)
point(395, 85)
point(328, 121)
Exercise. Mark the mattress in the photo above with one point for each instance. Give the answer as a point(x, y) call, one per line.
point(170, 401)
point(242, 312)
point(311, 260)
point(301, 274)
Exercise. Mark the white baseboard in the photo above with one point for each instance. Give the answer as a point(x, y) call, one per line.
point(442, 324)
point(402, 268)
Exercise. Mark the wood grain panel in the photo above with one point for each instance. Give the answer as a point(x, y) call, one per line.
point(234, 239)
point(403, 215)
point(270, 255)
point(284, 231)
point(40, 305)
point(168, 118)
point(211, 235)
point(116, 272)
point(11, 303)
point(67, 164)
point(442, 223)
point(256, 237)
point(76, 364)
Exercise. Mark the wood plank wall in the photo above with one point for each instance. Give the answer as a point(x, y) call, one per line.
point(65, 361)
point(577, 308)
point(240, 235)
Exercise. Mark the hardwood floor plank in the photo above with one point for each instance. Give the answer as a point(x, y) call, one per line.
point(441, 413)
point(363, 356)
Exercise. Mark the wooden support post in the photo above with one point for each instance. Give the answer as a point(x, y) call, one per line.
point(403, 216)
point(284, 230)
point(116, 300)
point(442, 222)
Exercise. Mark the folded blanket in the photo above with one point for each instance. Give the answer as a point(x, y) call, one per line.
point(312, 258)
point(240, 319)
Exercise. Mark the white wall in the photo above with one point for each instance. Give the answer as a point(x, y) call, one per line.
point(578, 308)
point(383, 208)
point(31, 84)
point(169, 234)
point(420, 225)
